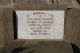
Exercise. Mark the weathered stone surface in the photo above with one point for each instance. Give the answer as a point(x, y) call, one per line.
point(5, 2)
point(20, 46)
point(75, 4)
point(41, 6)
point(73, 26)
point(72, 30)
point(33, 1)
point(6, 26)
point(2, 49)
point(49, 47)
point(65, 2)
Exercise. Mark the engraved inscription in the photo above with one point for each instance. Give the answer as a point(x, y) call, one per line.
point(40, 24)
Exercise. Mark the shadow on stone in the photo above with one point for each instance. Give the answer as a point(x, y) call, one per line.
point(76, 49)
point(15, 22)
point(19, 49)
point(78, 1)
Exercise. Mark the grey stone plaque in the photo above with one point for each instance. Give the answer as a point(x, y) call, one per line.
point(40, 24)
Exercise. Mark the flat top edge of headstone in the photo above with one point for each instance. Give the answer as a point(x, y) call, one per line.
point(40, 6)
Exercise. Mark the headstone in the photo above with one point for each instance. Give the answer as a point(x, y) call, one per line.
point(61, 28)
point(27, 13)
point(48, 21)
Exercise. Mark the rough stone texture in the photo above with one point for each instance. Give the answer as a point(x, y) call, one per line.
point(50, 47)
point(6, 26)
point(19, 46)
point(33, 1)
point(2, 49)
point(75, 4)
point(5, 2)
point(73, 26)
point(72, 30)
point(65, 2)
point(40, 6)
